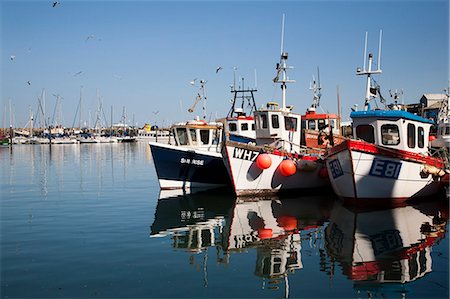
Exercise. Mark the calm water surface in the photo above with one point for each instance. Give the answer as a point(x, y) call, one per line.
point(88, 220)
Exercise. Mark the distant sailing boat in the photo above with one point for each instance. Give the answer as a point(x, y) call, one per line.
point(125, 134)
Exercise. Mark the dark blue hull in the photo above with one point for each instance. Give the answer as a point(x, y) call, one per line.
point(178, 168)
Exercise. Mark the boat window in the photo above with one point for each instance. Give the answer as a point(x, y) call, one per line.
point(204, 136)
point(411, 135)
point(275, 122)
point(322, 124)
point(333, 123)
point(182, 136)
point(390, 135)
point(447, 131)
point(193, 135)
point(232, 127)
point(253, 127)
point(366, 133)
point(311, 124)
point(420, 137)
point(290, 123)
point(264, 121)
point(244, 127)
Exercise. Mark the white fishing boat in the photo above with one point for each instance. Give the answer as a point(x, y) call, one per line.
point(387, 159)
point(240, 123)
point(192, 160)
point(276, 162)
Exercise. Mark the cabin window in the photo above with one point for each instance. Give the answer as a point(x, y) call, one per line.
point(411, 135)
point(322, 124)
point(253, 127)
point(290, 123)
point(447, 131)
point(193, 135)
point(311, 124)
point(244, 127)
point(204, 136)
point(264, 121)
point(390, 135)
point(366, 133)
point(275, 121)
point(420, 137)
point(333, 123)
point(232, 127)
point(182, 136)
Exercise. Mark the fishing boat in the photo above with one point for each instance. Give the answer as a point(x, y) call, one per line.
point(275, 162)
point(321, 130)
point(387, 159)
point(240, 123)
point(192, 160)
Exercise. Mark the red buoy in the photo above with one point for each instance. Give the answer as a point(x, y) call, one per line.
point(431, 138)
point(263, 161)
point(289, 223)
point(287, 167)
point(265, 233)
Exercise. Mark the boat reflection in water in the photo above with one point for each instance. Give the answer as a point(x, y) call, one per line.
point(383, 250)
point(274, 227)
point(277, 228)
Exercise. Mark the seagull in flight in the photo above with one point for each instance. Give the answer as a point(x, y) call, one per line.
point(55, 3)
point(29, 82)
point(193, 82)
point(218, 69)
point(76, 74)
point(12, 57)
point(90, 36)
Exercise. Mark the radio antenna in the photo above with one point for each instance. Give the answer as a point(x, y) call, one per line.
point(282, 35)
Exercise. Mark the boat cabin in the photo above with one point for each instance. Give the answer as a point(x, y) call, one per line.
point(241, 127)
point(395, 129)
point(198, 134)
point(275, 124)
point(319, 121)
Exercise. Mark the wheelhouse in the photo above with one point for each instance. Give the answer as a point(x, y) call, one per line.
point(392, 128)
point(319, 121)
point(197, 134)
point(273, 124)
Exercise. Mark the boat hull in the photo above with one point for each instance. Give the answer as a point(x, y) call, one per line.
point(185, 168)
point(360, 170)
point(249, 180)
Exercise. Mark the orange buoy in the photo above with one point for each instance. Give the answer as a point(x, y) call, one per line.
point(323, 172)
point(289, 223)
point(263, 161)
point(265, 233)
point(287, 167)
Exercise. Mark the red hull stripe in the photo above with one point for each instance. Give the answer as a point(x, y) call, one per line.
point(365, 147)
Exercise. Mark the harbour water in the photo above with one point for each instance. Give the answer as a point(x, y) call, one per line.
point(89, 221)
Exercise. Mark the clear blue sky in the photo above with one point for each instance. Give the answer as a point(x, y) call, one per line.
point(143, 54)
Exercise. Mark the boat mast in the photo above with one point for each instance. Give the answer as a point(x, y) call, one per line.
point(369, 72)
point(316, 88)
point(282, 69)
